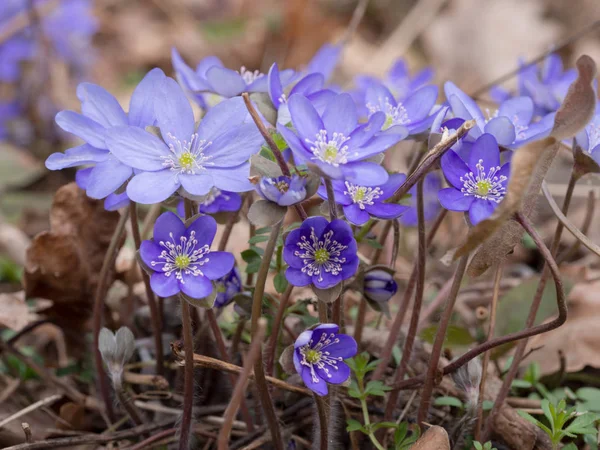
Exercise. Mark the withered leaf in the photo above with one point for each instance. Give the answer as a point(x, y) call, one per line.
point(328, 295)
point(14, 311)
point(583, 162)
point(435, 438)
point(64, 264)
point(263, 213)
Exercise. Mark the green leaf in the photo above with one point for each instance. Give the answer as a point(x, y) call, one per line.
point(263, 230)
point(529, 417)
point(258, 239)
point(448, 401)
point(400, 433)
point(372, 365)
point(354, 391)
point(487, 405)
point(582, 424)
point(570, 446)
point(532, 374)
point(353, 425)
point(521, 384)
point(376, 388)
point(253, 259)
point(590, 397)
point(477, 445)
point(373, 243)
point(379, 425)
point(280, 282)
point(455, 336)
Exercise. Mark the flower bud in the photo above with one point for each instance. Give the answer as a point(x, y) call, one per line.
point(116, 350)
point(379, 286)
point(284, 191)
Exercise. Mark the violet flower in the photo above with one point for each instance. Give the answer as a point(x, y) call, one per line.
point(479, 185)
point(319, 356)
point(415, 112)
point(194, 82)
point(324, 60)
point(101, 115)
point(180, 257)
point(195, 160)
point(547, 86)
point(589, 138)
point(321, 253)
point(214, 202)
point(361, 202)
point(379, 286)
point(431, 205)
point(283, 190)
point(227, 287)
point(511, 124)
point(335, 142)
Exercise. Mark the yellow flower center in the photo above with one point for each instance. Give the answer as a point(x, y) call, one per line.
point(282, 186)
point(187, 160)
point(182, 261)
point(389, 121)
point(483, 187)
point(321, 256)
point(360, 194)
point(331, 152)
point(313, 356)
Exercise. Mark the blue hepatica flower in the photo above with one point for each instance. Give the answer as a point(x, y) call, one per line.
point(325, 60)
point(319, 356)
point(321, 253)
point(362, 202)
point(8, 111)
point(479, 185)
point(379, 286)
point(213, 155)
point(589, 138)
point(181, 259)
point(227, 287)
point(431, 205)
point(414, 113)
point(283, 190)
point(214, 202)
point(335, 141)
point(194, 82)
point(547, 86)
point(100, 116)
point(511, 124)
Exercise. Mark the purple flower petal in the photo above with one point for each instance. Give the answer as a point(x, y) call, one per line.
point(233, 179)
point(141, 105)
point(325, 280)
point(518, 109)
point(325, 60)
point(389, 188)
point(309, 84)
point(341, 230)
point(76, 156)
point(225, 82)
point(204, 228)
point(219, 265)
point(275, 87)
point(334, 374)
point(137, 148)
point(82, 176)
point(99, 105)
point(168, 223)
point(355, 215)
point(235, 146)
point(502, 129)
point(480, 210)
point(345, 348)
point(454, 168)
point(318, 386)
point(485, 149)
point(366, 131)
point(227, 114)
point(340, 115)
point(386, 211)
point(379, 144)
point(454, 200)
point(195, 286)
point(294, 143)
point(107, 177)
point(187, 76)
point(164, 286)
point(148, 188)
point(199, 184)
point(462, 105)
point(174, 113)
point(296, 277)
point(305, 118)
point(114, 202)
point(365, 173)
point(419, 104)
point(150, 251)
point(83, 127)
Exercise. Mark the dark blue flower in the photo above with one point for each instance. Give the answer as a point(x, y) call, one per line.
point(214, 202)
point(511, 124)
point(336, 142)
point(101, 115)
point(479, 185)
point(361, 202)
point(283, 190)
point(213, 155)
point(319, 356)
point(321, 253)
point(181, 259)
point(379, 286)
point(227, 287)
point(431, 206)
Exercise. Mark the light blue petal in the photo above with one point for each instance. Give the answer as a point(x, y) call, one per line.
point(199, 184)
point(418, 105)
point(502, 129)
point(228, 114)
point(83, 127)
point(107, 177)
point(76, 156)
point(234, 179)
point(141, 106)
point(138, 148)
point(340, 115)
point(462, 105)
point(305, 118)
point(225, 82)
point(365, 173)
point(235, 146)
point(99, 105)
point(114, 202)
point(484, 149)
point(174, 113)
point(148, 188)
point(275, 87)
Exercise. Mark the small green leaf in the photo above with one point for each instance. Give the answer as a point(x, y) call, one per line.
point(373, 243)
point(400, 433)
point(376, 388)
point(258, 239)
point(380, 425)
point(455, 336)
point(353, 425)
point(529, 417)
point(487, 405)
point(280, 282)
point(448, 401)
point(521, 384)
point(263, 230)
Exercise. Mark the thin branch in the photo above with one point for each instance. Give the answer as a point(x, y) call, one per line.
point(357, 16)
point(272, 345)
point(585, 227)
point(44, 402)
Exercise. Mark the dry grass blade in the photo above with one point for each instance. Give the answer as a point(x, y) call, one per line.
point(567, 224)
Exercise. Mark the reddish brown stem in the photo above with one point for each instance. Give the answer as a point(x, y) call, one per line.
point(272, 345)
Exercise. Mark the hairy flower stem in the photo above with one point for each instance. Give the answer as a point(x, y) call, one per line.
point(222, 349)
point(386, 354)
point(107, 265)
point(535, 304)
point(152, 305)
point(486, 355)
point(364, 230)
point(188, 348)
point(365, 410)
point(438, 343)
point(127, 404)
point(414, 319)
point(272, 345)
point(330, 199)
point(385, 232)
point(323, 415)
point(259, 372)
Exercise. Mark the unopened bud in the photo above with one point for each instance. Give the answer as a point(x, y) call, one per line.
point(379, 286)
point(468, 379)
point(116, 350)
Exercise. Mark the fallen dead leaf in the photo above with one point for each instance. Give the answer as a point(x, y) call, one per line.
point(14, 312)
point(435, 438)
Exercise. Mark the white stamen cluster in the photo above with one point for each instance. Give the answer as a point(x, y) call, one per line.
point(484, 185)
point(362, 195)
point(187, 157)
point(320, 255)
point(394, 115)
point(249, 76)
point(182, 257)
point(317, 355)
point(331, 151)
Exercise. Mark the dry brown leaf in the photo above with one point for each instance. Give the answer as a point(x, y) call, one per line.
point(578, 338)
point(64, 264)
point(435, 438)
point(14, 312)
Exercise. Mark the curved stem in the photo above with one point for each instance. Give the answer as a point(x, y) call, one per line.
point(188, 380)
point(101, 288)
point(438, 344)
point(261, 383)
point(154, 312)
point(330, 199)
point(322, 413)
point(272, 345)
